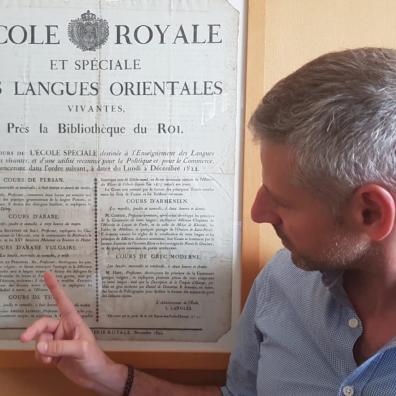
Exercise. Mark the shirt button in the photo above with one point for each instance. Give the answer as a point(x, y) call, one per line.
point(353, 323)
point(348, 390)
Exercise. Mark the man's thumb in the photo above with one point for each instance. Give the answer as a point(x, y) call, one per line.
point(59, 348)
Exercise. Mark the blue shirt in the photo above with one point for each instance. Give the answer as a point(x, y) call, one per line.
point(296, 337)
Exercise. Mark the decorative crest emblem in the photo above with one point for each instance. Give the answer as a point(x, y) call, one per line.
point(88, 32)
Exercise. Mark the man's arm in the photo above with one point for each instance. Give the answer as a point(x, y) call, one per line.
point(148, 385)
point(68, 343)
point(112, 376)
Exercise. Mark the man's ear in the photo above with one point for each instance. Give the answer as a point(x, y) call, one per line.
point(374, 210)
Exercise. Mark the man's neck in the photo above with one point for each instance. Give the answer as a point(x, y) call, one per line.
point(371, 286)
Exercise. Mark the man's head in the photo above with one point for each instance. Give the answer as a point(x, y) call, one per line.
point(335, 119)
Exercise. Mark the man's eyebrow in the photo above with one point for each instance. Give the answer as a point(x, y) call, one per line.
point(274, 195)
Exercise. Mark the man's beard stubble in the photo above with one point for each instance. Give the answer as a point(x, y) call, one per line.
point(342, 251)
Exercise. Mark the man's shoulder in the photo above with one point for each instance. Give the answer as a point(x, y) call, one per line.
point(281, 272)
point(280, 265)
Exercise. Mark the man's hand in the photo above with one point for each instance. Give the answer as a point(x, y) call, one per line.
point(71, 346)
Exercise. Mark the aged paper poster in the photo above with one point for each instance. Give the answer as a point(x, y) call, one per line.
point(119, 164)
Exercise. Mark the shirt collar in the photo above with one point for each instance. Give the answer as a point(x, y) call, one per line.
point(333, 281)
point(330, 279)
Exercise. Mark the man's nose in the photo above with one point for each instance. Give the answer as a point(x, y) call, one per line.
point(263, 209)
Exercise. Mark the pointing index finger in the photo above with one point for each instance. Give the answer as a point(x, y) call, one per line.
point(63, 302)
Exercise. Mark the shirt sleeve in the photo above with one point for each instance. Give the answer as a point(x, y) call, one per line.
point(242, 369)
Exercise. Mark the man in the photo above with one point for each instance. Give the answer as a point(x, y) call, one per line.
point(321, 317)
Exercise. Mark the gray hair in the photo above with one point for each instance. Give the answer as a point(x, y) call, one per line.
point(338, 112)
